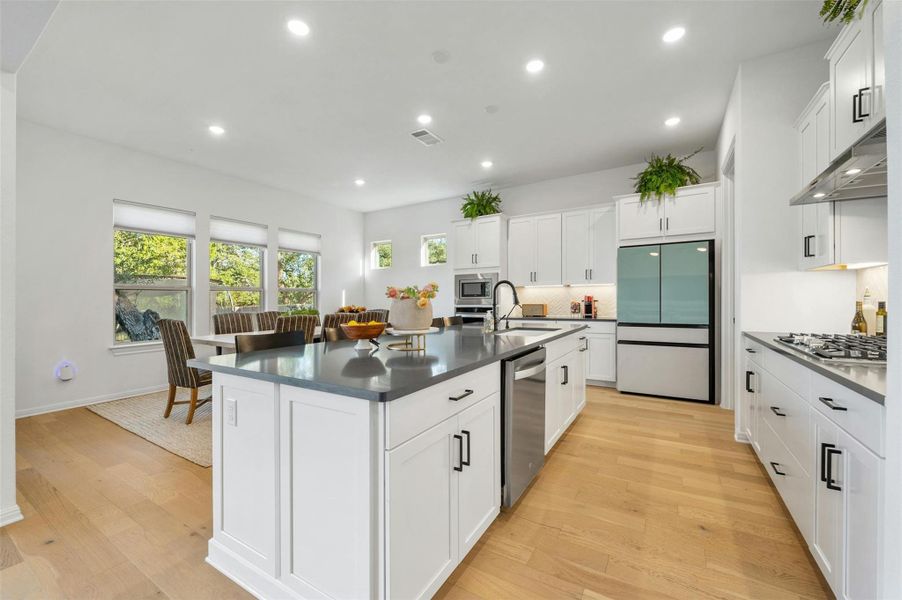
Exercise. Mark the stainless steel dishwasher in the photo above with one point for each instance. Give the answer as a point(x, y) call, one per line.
point(523, 431)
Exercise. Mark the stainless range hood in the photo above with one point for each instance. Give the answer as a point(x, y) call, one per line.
point(857, 174)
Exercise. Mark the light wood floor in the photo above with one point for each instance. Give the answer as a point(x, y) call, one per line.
point(641, 499)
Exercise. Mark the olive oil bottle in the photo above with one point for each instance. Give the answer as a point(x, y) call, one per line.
point(881, 319)
point(859, 325)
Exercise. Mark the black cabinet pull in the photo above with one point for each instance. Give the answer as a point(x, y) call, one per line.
point(460, 453)
point(774, 465)
point(751, 351)
point(776, 411)
point(824, 448)
point(806, 252)
point(748, 382)
point(466, 463)
point(660, 224)
point(462, 396)
point(831, 483)
point(566, 375)
point(855, 103)
point(861, 92)
point(832, 403)
point(667, 224)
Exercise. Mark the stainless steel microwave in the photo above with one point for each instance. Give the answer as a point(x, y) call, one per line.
point(474, 288)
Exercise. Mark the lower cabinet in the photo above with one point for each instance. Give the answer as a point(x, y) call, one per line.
point(565, 394)
point(443, 491)
point(601, 363)
point(748, 420)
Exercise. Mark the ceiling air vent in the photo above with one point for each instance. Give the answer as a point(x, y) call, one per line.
point(426, 137)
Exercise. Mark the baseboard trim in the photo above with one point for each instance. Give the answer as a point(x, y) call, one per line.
point(10, 514)
point(600, 383)
point(249, 577)
point(40, 410)
point(741, 437)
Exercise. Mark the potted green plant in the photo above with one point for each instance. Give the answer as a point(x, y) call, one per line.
point(664, 174)
point(844, 10)
point(479, 204)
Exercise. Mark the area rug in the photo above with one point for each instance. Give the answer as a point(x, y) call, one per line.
point(143, 416)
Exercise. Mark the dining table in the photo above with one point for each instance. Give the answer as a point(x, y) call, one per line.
point(226, 341)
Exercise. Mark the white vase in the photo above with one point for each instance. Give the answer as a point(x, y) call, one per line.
point(406, 315)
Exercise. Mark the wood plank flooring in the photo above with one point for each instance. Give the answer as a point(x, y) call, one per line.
point(641, 499)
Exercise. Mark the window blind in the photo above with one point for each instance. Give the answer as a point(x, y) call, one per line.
point(299, 241)
point(239, 232)
point(152, 219)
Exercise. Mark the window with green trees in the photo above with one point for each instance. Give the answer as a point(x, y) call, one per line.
point(151, 281)
point(297, 280)
point(434, 250)
point(381, 255)
point(236, 278)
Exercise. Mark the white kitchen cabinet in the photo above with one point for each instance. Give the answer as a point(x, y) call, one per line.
point(534, 250)
point(478, 242)
point(749, 402)
point(601, 360)
point(689, 214)
point(826, 537)
point(579, 375)
point(443, 492)
point(856, 79)
point(564, 395)
point(590, 246)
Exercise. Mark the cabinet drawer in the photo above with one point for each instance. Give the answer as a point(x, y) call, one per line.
point(755, 352)
point(790, 479)
point(787, 414)
point(413, 414)
point(790, 373)
point(558, 348)
point(601, 326)
point(861, 417)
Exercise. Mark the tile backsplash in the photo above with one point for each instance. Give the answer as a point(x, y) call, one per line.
point(558, 298)
point(874, 279)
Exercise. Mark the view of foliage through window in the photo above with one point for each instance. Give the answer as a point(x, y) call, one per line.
point(297, 280)
point(382, 255)
point(151, 281)
point(235, 277)
point(436, 250)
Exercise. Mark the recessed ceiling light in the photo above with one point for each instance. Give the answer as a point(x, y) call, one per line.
point(853, 171)
point(298, 28)
point(486, 164)
point(672, 121)
point(424, 119)
point(535, 65)
point(216, 129)
point(359, 182)
point(674, 34)
point(820, 195)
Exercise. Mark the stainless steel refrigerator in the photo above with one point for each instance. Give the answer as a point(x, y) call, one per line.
point(665, 320)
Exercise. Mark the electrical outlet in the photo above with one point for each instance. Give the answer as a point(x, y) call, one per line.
point(231, 412)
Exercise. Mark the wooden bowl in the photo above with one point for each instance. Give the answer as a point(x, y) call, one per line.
point(363, 332)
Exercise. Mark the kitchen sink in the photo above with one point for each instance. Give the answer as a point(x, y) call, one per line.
point(525, 331)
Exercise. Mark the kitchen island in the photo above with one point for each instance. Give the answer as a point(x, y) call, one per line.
point(340, 473)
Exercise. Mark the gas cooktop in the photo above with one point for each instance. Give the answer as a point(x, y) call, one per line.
point(838, 348)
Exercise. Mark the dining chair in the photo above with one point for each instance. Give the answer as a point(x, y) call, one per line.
point(334, 334)
point(179, 349)
point(449, 321)
point(233, 322)
point(305, 323)
point(438, 322)
point(266, 320)
point(333, 320)
point(379, 314)
point(268, 341)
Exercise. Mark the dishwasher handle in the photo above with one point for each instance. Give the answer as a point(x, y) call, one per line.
point(533, 369)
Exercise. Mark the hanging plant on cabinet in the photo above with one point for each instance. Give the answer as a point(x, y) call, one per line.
point(842, 10)
point(479, 204)
point(663, 175)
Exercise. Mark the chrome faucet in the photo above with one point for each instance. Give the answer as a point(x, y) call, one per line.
point(495, 302)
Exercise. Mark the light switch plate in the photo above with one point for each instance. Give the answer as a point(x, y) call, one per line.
point(231, 412)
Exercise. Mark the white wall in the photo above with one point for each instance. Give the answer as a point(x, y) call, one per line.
point(405, 225)
point(9, 510)
point(768, 96)
point(66, 186)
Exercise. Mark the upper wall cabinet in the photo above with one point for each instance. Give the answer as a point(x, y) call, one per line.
point(479, 243)
point(691, 213)
point(857, 77)
point(590, 246)
point(816, 220)
point(534, 250)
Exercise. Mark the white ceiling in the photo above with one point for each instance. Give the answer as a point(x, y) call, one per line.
point(312, 114)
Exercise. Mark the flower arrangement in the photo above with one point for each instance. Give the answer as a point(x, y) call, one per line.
point(412, 292)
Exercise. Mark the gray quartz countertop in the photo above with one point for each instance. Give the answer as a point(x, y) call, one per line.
point(869, 381)
point(384, 374)
point(567, 317)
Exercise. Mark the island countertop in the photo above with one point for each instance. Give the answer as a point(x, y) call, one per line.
point(381, 375)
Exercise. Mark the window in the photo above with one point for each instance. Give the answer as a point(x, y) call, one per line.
point(434, 250)
point(151, 270)
point(236, 266)
point(298, 270)
point(381, 254)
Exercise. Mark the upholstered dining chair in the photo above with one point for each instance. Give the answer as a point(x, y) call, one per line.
point(252, 342)
point(449, 321)
point(438, 322)
point(379, 314)
point(178, 348)
point(266, 320)
point(234, 322)
point(305, 323)
point(334, 334)
point(333, 320)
